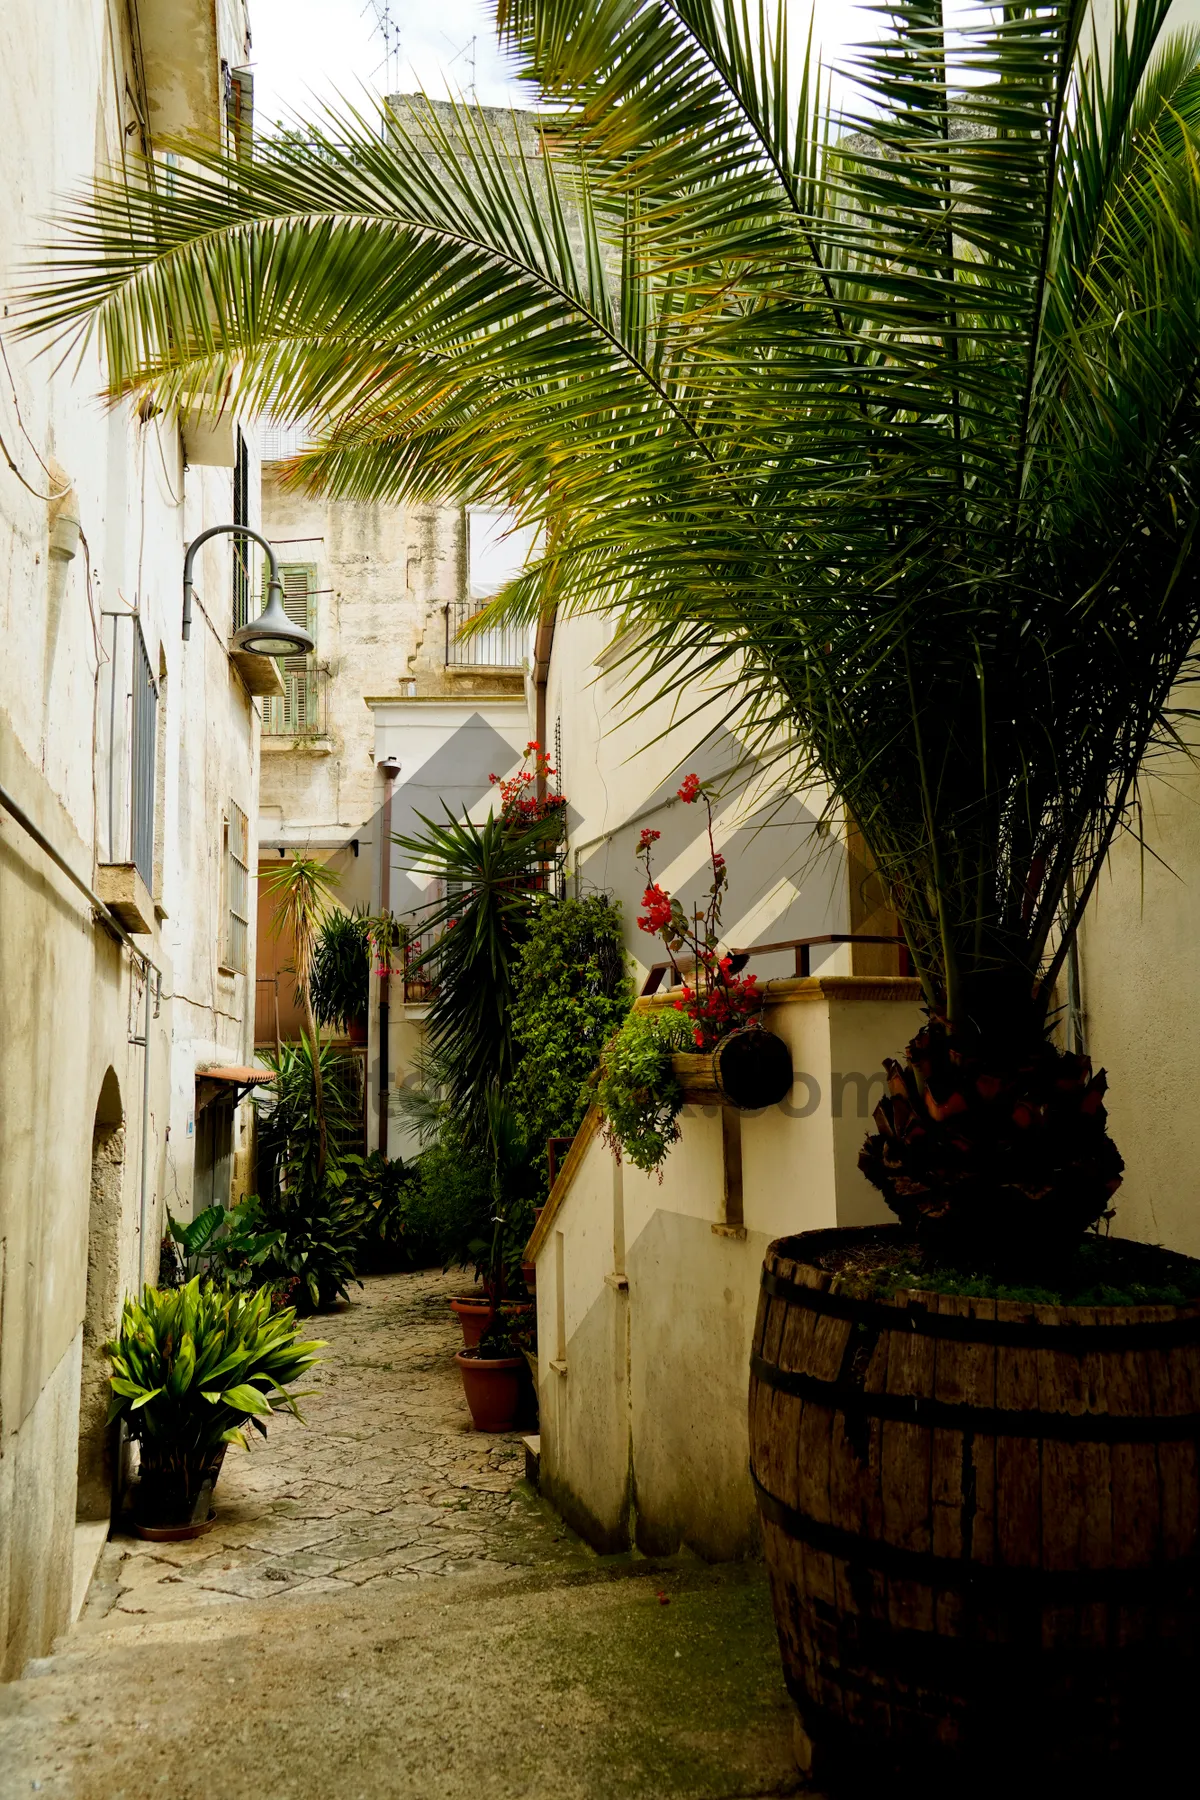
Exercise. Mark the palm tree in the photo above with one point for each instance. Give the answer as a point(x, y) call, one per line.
point(301, 890)
point(890, 421)
point(489, 877)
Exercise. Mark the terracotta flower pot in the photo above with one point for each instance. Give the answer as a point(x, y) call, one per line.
point(529, 1276)
point(356, 1031)
point(493, 1389)
point(475, 1315)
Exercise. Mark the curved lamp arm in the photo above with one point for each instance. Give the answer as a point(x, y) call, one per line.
point(274, 585)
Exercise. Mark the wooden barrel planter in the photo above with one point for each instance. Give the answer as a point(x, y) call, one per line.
point(748, 1069)
point(982, 1526)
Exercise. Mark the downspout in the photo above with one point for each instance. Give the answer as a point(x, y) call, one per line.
point(542, 647)
point(390, 769)
point(143, 1197)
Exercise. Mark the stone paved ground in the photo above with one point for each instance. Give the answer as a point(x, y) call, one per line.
point(385, 1611)
point(387, 1482)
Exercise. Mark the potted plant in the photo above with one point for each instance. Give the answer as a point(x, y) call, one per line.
point(495, 1374)
point(192, 1366)
point(492, 1361)
point(736, 1059)
point(906, 482)
point(341, 972)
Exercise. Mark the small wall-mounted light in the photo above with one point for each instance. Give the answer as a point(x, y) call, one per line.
point(272, 633)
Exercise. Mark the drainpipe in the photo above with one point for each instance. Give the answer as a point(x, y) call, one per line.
point(542, 646)
point(389, 768)
point(144, 1195)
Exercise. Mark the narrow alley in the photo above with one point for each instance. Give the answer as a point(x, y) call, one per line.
point(385, 1607)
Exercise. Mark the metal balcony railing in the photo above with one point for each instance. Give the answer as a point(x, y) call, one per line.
point(500, 647)
point(303, 711)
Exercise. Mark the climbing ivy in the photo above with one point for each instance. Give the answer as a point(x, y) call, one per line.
point(573, 992)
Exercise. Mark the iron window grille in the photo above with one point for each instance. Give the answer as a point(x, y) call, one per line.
point(132, 747)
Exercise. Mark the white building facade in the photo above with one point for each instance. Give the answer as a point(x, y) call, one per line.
point(129, 770)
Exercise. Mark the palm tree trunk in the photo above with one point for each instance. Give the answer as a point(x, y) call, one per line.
point(318, 1086)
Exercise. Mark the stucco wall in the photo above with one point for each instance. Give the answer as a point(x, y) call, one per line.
point(72, 97)
point(1140, 984)
point(622, 753)
point(647, 1290)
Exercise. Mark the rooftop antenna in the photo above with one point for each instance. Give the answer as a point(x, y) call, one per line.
point(388, 29)
point(467, 51)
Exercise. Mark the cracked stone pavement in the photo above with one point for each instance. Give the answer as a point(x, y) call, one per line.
point(385, 1608)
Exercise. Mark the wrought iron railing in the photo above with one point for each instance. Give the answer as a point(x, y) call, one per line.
point(303, 709)
point(802, 947)
point(498, 647)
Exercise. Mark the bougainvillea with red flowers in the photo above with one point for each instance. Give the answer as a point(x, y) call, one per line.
point(519, 799)
point(717, 999)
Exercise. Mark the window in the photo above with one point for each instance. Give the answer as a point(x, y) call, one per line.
point(237, 889)
point(300, 713)
point(131, 725)
point(239, 111)
point(241, 547)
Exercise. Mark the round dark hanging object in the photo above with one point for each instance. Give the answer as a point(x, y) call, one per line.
point(752, 1068)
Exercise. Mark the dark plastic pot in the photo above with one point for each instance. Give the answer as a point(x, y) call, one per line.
point(493, 1389)
point(168, 1506)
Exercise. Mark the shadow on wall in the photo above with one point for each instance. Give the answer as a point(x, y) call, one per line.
point(787, 878)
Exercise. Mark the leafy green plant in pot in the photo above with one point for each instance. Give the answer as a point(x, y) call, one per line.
point(341, 972)
point(901, 431)
point(493, 1369)
point(192, 1367)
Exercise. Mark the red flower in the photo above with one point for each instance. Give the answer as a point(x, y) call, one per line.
point(647, 838)
point(690, 790)
point(658, 909)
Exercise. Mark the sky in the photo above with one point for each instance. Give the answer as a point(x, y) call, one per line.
point(306, 49)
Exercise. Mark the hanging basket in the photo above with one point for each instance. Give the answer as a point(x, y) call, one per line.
point(749, 1069)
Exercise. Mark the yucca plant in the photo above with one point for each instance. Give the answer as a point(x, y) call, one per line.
point(191, 1367)
point(302, 890)
point(889, 421)
point(488, 875)
point(340, 975)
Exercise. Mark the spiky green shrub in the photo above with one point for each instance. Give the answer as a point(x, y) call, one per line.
point(191, 1367)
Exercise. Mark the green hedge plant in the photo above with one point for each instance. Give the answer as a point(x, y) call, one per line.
point(192, 1366)
point(573, 992)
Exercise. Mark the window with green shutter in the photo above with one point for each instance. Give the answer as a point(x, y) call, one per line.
point(298, 713)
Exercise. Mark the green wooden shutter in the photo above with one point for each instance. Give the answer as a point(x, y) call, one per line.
point(295, 715)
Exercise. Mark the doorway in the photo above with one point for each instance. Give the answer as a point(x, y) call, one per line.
point(97, 1441)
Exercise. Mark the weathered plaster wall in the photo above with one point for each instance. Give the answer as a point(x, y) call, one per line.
point(1140, 981)
point(647, 1291)
point(73, 98)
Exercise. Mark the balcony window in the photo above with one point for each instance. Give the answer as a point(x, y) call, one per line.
point(301, 710)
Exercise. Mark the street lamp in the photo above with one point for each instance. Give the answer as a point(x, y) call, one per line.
point(272, 633)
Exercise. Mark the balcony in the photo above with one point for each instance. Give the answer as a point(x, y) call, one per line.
point(302, 712)
point(500, 647)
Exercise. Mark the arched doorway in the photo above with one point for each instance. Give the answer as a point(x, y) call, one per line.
point(94, 1493)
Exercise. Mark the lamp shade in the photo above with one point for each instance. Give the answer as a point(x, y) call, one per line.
point(273, 633)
